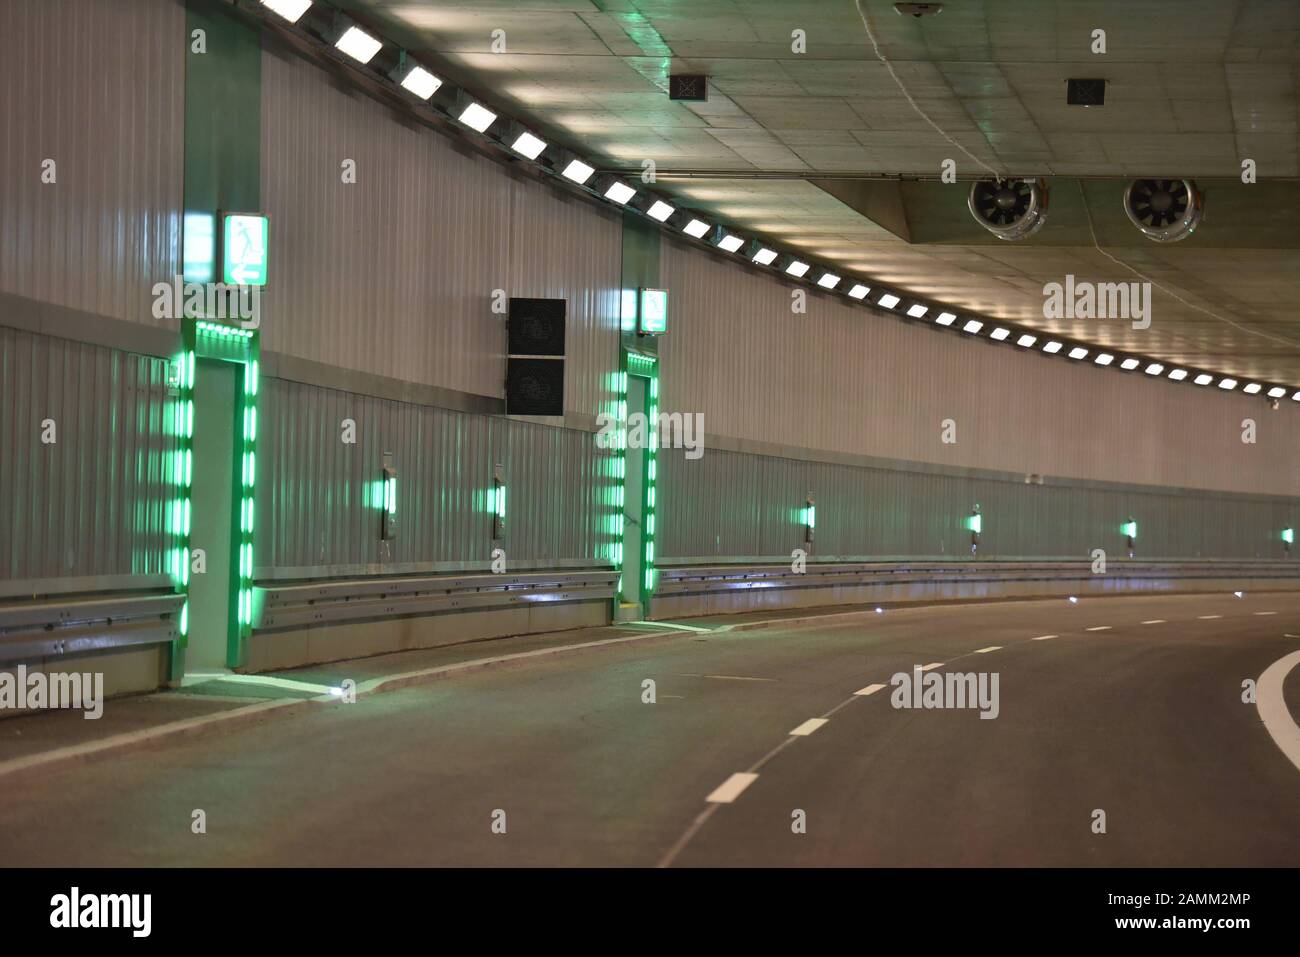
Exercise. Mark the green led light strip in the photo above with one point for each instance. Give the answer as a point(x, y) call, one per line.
point(646, 367)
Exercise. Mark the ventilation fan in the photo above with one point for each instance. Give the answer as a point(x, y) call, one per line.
point(1009, 208)
point(1165, 210)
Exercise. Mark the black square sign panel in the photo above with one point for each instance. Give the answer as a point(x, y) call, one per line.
point(534, 386)
point(688, 86)
point(1085, 92)
point(536, 327)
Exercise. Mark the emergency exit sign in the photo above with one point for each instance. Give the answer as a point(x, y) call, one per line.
point(652, 312)
point(245, 239)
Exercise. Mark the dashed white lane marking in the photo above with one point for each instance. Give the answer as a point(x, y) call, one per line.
point(808, 727)
point(1155, 621)
point(985, 651)
point(1098, 628)
point(1273, 710)
point(1208, 617)
point(1043, 638)
point(732, 788)
point(932, 665)
point(1263, 613)
point(728, 677)
point(869, 689)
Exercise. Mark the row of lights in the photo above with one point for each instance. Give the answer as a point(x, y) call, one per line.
point(361, 46)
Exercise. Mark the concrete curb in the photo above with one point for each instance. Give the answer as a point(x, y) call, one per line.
point(59, 758)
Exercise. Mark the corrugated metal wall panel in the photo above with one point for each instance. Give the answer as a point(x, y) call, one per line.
point(315, 515)
point(93, 502)
point(98, 88)
point(738, 505)
point(394, 274)
point(844, 379)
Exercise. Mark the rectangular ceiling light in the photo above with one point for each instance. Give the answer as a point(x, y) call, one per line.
point(578, 171)
point(1154, 368)
point(358, 44)
point(828, 280)
point(730, 242)
point(1178, 375)
point(477, 117)
point(1000, 333)
point(1251, 388)
point(1203, 379)
point(1026, 341)
point(696, 228)
point(797, 268)
point(859, 291)
point(526, 144)
point(422, 83)
point(619, 192)
point(660, 210)
point(1130, 363)
point(1228, 384)
point(1276, 392)
point(945, 318)
point(1078, 352)
point(888, 300)
point(972, 326)
point(765, 256)
point(1052, 347)
point(1104, 359)
point(1295, 397)
point(291, 10)
point(916, 310)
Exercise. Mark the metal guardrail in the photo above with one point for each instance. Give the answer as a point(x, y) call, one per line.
point(310, 603)
point(45, 629)
point(702, 580)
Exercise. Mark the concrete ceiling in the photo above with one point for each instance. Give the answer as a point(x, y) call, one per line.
point(784, 140)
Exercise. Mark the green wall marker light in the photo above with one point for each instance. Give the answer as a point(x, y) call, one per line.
point(498, 503)
point(809, 520)
point(1288, 539)
point(1130, 530)
point(976, 525)
point(388, 505)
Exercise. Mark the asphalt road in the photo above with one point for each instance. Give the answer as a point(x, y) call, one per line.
point(1143, 720)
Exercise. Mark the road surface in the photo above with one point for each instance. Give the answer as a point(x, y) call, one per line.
point(1133, 709)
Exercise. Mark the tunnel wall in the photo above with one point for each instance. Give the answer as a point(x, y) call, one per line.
point(394, 275)
point(312, 489)
point(86, 497)
point(731, 506)
point(842, 380)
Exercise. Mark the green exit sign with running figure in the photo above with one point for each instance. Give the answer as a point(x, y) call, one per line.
point(245, 238)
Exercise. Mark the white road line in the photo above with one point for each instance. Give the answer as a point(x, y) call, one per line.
point(1098, 628)
point(985, 651)
point(1155, 621)
point(1273, 710)
point(1043, 637)
point(869, 689)
point(728, 677)
point(1263, 613)
point(808, 727)
point(1208, 617)
point(730, 789)
point(931, 665)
